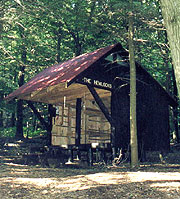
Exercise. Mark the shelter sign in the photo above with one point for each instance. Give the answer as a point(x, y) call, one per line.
point(95, 83)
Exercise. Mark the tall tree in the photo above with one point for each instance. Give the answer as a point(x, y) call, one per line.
point(19, 123)
point(133, 122)
point(171, 16)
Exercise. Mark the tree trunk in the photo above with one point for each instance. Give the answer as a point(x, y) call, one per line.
point(171, 16)
point(175, 111)
point(19, 108)
point(34, 122)
point(1, 119)
point(59, 43)
point(13, 120)
point(1, 18)
point(19, 123)
point(166, 59)
point(51, 114)
point(1, 30)
point(78, 46)
point(1, 112)
point(133, 123)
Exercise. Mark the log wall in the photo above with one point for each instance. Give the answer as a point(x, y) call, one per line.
point(94, 126)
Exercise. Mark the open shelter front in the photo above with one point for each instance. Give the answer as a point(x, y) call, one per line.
point(91, 96)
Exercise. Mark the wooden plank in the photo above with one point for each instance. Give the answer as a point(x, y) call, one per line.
point(55, 94)
point(51, 89)
point(73, 90)
point(45, 95)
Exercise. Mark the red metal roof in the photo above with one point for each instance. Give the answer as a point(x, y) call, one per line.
point(67, 72)
point(63, 72)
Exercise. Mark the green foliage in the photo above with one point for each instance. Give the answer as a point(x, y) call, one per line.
point(65, 28)
point(29, 132)
point(7, 132)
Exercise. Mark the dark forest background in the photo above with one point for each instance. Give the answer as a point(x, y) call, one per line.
point(35, 34)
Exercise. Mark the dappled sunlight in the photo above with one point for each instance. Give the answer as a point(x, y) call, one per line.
point(107, 178)
point(169, 185)
point(152, 176)
point(39, 182)
point(159, 180)
point(83, 182)
point(15, 165)
point(75, 182)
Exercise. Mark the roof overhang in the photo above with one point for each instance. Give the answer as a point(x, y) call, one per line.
point(59, 81)
point(59, 93)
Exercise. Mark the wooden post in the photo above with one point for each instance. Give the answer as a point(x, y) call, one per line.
point(78, 122)
point(90, 156)
point(113, 127)
point(70, 154)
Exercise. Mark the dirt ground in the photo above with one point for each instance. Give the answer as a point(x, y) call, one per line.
point(155, 181)
point(77, 181)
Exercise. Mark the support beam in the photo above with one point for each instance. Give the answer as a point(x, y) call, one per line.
point(107, 116)
point(78, 122)
point(41, 119)
point(101, 105)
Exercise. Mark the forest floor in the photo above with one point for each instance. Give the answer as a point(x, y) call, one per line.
point(150, 180)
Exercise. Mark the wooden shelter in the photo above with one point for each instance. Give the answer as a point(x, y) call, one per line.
point(91, 96)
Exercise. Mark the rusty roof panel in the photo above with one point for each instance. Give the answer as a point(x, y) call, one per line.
point(63, 72)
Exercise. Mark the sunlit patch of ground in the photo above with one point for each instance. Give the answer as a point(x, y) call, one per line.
point(20, 181)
